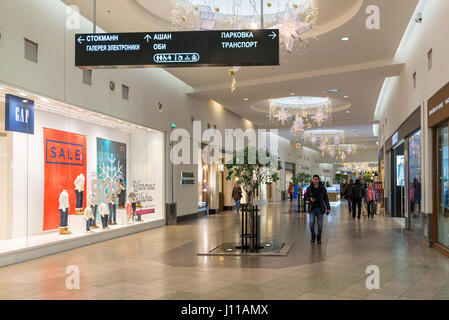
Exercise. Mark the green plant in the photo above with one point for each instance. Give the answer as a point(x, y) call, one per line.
point(341, 177)
point(368, 177)
point(304, 178)
point(295, 180)
point(246, 165)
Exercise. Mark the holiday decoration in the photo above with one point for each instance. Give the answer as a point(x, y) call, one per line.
point(282, 116)
point(298, 126)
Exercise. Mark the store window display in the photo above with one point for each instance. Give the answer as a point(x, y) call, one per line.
point(74, 171)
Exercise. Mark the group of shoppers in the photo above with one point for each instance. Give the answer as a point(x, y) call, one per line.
point(318, 202)
point(355, 193)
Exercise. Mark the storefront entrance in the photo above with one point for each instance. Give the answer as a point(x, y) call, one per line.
point(414, 183)
point(397, 195)
point(442, 186)
point(438, 120)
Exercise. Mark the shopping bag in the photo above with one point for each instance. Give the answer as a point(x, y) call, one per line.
point(378, 208)
point(365, 209)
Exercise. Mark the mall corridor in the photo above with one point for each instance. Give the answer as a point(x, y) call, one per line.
point(163, 263)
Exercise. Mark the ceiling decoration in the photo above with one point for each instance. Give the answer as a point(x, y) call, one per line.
point(305, 112)
point(241, 14)
point(294, 18)
point(328, 142)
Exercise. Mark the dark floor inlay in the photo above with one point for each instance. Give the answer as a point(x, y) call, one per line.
point(267, 249)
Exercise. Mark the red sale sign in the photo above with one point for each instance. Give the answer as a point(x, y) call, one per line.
point(65, 159)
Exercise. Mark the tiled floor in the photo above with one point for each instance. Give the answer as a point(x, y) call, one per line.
point(163, 263)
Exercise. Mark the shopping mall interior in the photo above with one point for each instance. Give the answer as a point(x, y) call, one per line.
point(224, 150)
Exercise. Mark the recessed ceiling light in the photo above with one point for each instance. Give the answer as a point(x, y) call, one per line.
point(292, 94)
point(346, 97)
point(345, 38)
point(348, 111)
point(246, 99)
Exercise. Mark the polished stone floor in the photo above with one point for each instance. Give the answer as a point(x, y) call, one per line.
point(163, 263)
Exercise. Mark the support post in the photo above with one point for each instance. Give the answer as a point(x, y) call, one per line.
point(95, 17)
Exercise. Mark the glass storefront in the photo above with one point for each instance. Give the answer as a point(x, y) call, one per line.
point(443, 188)
point(78, 174)
point(414, 182)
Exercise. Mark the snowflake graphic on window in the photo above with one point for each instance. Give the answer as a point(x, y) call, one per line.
point(111, 171)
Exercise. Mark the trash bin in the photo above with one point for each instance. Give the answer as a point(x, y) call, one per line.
point(170, 213)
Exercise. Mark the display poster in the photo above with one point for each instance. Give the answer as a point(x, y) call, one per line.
point(111, 165)
point(378, 187)
point(400, 171)
point(65, 159)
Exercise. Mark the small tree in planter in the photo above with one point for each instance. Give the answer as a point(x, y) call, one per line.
point(340, 177)
point(252, 168)
point(304, 178)
point(295, 180)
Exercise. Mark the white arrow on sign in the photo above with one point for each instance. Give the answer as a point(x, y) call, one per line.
point(272, 35)
point(80, 40)
point(148, 38)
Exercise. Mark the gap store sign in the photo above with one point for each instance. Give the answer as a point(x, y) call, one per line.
point(19, 114)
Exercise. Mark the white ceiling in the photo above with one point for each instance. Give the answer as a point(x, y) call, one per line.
point(357, 67)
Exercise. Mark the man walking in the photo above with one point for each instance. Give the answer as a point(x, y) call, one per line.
point(348, 194)
point(316, 196)
point(237, 196)
point(357, 196)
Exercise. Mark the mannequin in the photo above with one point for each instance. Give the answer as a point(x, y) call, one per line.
point(133, 200)
point(88, 215)
point(113, 205)
point(92, 202)
point(104, 212)
point(64, 212)
point(122, 194)
point(79, 192)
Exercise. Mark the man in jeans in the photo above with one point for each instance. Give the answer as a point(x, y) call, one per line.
point(316, 196)
point(357, 196)
point(237, 196)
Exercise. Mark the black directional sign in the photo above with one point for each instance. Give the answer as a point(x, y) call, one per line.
point(177, 49)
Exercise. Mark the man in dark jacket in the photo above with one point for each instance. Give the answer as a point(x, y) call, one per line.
point(237, 196)
point(318, 200)
point(348, 194)
point(357, 194)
